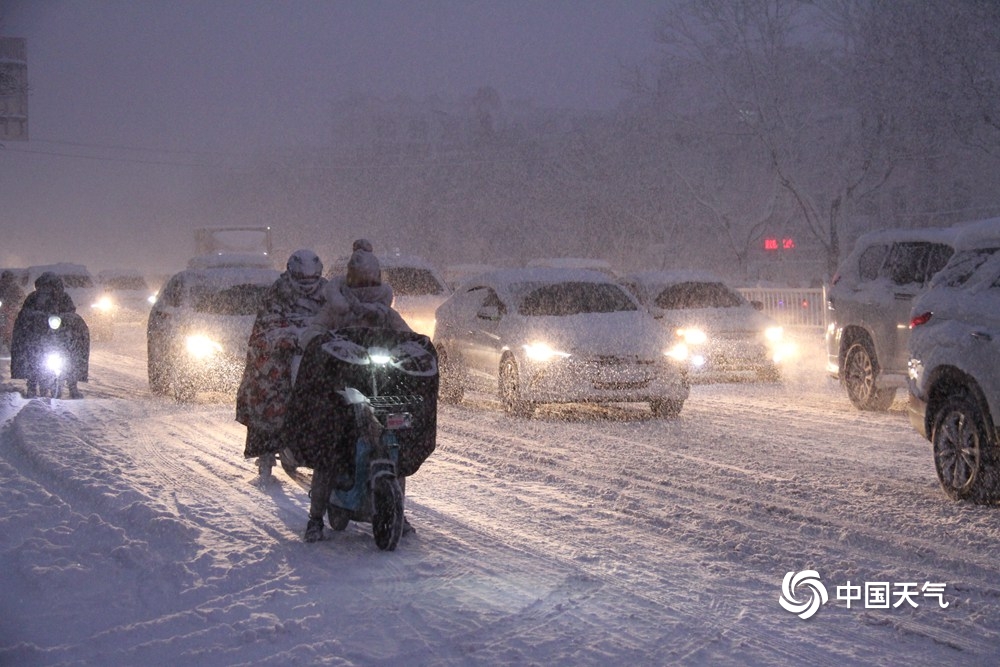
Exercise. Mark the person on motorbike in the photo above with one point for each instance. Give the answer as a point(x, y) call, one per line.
point(358, 298)
point(30, 327)
point(11, 298)
point(290, 304)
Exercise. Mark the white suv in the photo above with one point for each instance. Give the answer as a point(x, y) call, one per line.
point(868, 309)
point(954, 366)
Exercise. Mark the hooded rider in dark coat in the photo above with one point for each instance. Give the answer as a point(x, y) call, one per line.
point(31, 325)
point(291, 303)
point(357, 299)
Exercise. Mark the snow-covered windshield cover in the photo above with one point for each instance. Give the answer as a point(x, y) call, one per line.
point(963, 265)
point(698, 295)
point(571, 298)
point(235, 300)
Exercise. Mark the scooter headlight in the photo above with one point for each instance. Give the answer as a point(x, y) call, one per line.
point(379, 355)
point(54, 362)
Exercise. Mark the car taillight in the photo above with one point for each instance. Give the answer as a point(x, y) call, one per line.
point(920, 319)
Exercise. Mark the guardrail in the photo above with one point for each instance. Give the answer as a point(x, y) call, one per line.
point(791, 307)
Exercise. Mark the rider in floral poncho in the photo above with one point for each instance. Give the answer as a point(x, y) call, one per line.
point(291, 303)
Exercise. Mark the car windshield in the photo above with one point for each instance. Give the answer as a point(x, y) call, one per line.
point(698, 295)
point(235, 300)
point(574, 298)
point(963, 265)
point(411, 281)
point(126, 283)
point(76, 281)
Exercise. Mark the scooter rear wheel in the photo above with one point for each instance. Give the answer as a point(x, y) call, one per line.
point(387, 512)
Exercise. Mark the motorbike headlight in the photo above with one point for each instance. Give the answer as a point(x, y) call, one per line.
point(379, 355)
point(55, 322)
point(104, 304)
point(543, 352)
point(54, 362)
point(693, 336)
point(200, 346)
point(774, 334)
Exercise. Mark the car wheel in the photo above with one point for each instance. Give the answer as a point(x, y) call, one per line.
point(965, 456)
point(666, 409)
point(513, 402)
point(452, 385)
point(859, 378)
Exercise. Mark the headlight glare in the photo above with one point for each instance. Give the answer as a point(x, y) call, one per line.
point(693, 336)
point(54, 362)
point(200, 346)
point(104, 304)
point(543, 352)
point(678, 352)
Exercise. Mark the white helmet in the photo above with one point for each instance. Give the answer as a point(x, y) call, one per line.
point(305, 264)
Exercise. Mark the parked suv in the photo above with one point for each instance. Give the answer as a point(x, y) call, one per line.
point(868, 305)
point(954, 366)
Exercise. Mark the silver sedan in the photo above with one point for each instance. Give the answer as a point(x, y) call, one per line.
point(554, 336)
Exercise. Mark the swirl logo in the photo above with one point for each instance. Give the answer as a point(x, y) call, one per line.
point(817, 597)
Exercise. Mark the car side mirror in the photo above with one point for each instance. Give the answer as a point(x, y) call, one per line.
point(757, 305)
point(491, 313)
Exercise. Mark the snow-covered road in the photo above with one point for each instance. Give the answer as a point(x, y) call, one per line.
point(132, 531)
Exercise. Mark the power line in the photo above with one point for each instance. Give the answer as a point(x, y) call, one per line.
point(99, 158)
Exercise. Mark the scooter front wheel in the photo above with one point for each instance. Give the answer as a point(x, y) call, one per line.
point(387, 512)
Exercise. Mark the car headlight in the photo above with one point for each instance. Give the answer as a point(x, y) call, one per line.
point(543, 352)
point(693, 336)
point(104, 304)
point(200, 346)
point(678, 352)
point(774, 334)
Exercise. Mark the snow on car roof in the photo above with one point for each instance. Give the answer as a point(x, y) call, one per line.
point(978, 234)
point(938, 234)
point(661, 278)
point(228, 276)
point(110, 274)
point(231, 260)
point(543, 275)
point(60, 268)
